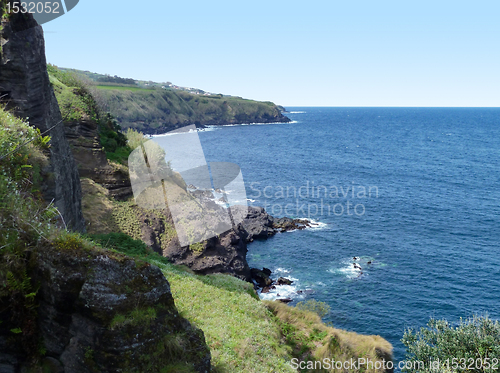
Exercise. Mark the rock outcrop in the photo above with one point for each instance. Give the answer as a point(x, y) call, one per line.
point(226, 253)
point(104, 312)
point(25, 89)
point(83, 137)
point(258, 224)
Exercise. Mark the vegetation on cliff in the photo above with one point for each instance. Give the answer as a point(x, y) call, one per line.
point(244, 333)
point(77, 102)
point(155, 109)
point(472, 346)
point(58, 287)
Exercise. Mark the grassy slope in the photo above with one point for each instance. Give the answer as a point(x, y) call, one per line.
point(148, 110)
point(122, 88)
point(154, 110)
point(243, 333)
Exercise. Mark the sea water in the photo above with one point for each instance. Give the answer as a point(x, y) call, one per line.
point(414, 191)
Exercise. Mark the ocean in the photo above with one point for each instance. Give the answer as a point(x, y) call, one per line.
point(413, 191)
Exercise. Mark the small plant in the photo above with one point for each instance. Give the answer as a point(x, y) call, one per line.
point(137, 317)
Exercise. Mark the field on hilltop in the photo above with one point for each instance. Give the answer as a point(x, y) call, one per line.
point(153, 108)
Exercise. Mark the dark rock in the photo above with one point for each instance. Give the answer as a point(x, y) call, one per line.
point(227, 252)
point(23, 74)
point(259, 224)
point(267, 289)
point(260, 277)
point(256, 222)
point(285, 300)
point(52, 365)
point(286, 224)
point(80, 297)
point(284, 281)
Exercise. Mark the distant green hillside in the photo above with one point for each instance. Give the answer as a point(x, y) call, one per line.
point(157, 108)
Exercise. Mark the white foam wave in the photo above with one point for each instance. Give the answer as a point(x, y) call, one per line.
point(249, 124)
point(178, 133)
point(284, 291)
point(296, 112)
point(316, 225)
point(348, 269)
point(282, 271)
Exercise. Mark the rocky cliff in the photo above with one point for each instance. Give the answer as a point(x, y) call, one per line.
point(103, 312)
point(224, 253)
point(25, 89)
point(67, 305)
point(159, 111)
point(84, 123)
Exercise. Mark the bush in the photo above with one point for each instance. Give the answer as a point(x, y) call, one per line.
point(20, 160)
point(135, 138)
point(471, 342)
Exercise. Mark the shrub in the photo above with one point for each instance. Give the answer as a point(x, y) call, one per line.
point(471, 345)
point(135, 138)
point(21, 151)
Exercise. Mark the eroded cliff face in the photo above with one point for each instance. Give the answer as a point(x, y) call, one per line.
point(90, 157)
point(25, 89)
point(103, 312)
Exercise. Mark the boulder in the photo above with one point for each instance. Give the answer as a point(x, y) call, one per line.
point(284, 281)
point(260, 277)
point(105, 312)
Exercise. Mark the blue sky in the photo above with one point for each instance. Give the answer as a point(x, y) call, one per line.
point(307, 53)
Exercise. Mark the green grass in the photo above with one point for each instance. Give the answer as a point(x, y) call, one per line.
point(123, 88)
point(238, 327)
point(77, 103)
point(245, 334)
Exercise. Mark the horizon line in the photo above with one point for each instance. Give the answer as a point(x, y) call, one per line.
point(390, 107)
